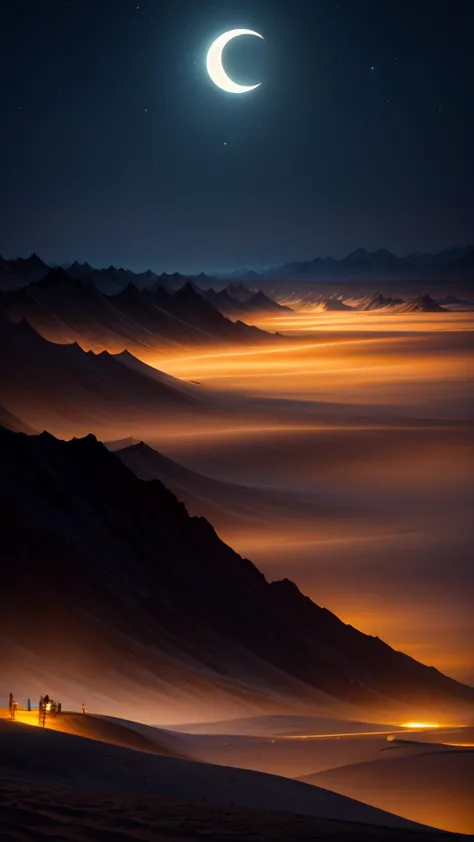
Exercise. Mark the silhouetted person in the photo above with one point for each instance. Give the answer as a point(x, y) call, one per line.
point(41, 712)
point(83, 708)
point(13, 706)
point(29, 704)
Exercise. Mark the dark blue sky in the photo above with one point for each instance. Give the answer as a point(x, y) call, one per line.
point(116, 147)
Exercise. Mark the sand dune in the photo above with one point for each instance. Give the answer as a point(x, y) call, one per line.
point(286, 756)
point(89, 763)
point(110, 730)
point(282, 725)
point(322, 744)
point(433, 781)
point(36, 812)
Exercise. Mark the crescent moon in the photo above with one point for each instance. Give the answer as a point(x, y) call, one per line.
point(215, 67)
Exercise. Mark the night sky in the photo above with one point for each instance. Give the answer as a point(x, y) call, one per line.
point(117, 148)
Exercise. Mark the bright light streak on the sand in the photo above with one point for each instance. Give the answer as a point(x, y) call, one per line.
point(27, 718)
point(337, 734)
point(419, 726)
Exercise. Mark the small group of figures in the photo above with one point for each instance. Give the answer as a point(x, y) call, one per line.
point(47, 706)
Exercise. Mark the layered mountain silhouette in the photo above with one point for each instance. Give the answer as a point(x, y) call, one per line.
point(225, 504)
point(373, 301)
point(64, 309)
point(256, 304)
point(63, 387)
point(422, 304)
point(379, 302)
point(109, 585)
point(22, 271)
point(362, 265)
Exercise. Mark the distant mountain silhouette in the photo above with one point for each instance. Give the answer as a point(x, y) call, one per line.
point(361, 265)
point(422, 304)
point(455, 263)
point(65, 309)
point(449, 300)
point(379, 302)
point(146, 605)
point(240, 292)
point(22, 271)
point(333, 304)
point(255, 304)
point(259, 302)
point(225, 303)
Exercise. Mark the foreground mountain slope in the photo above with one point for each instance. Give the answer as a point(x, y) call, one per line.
point(223, 503)
point(147, 607)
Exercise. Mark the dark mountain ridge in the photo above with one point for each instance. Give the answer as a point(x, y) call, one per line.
point(146, 605)
point(63, 387)
point(22, 271)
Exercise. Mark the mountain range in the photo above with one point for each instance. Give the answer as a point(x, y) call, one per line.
point(122, 593)
point(360, 265)
point(63, 309)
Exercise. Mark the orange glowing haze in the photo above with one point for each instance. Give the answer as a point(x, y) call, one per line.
point(368, 417)
point(344, 449)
